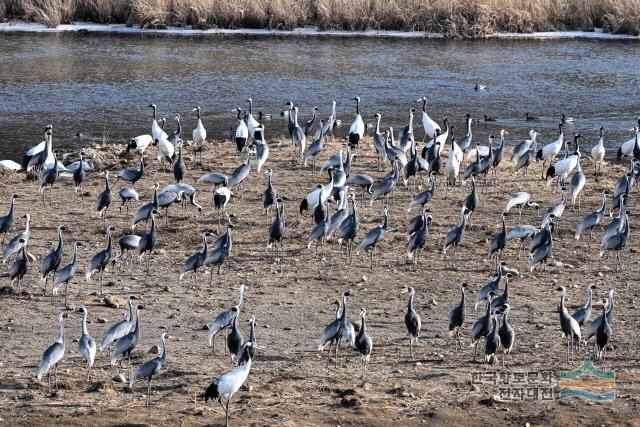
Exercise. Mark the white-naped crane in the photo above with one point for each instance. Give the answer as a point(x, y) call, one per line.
point(457, 316)
point(334, 331)
point(195, 261)
point(125, 345)
point(150, 368)
point(6, 221)
point(86, 344)
point(120, 328)
point(53, 355)
point(18, 241)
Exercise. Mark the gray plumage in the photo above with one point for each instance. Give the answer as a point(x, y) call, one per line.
point(104, 199)
point(20, 267)
point(417, 240)
point(234, 339)
point(454, 236)
point(490, 287)
point(591, 329)
point(99, 261)
point(506, 333)
point(215, 178)
point(6, 221)
point(179, 168)
point(424, 197)
point(497, 244)
point(150, 368)
point(132, 175)
point(363, 341)
point(120, 328)
point(126, 243)
point(492, 339)
point(224, 319)
point(195, 261)
point(66, 273)
point(18, 241)
point(144, 212)
point(385, 186)
point(52, 260)
point(241, 172)
point(457, 315)
point(481, 326)
point(371, 240)
point(125, 345)
point(86, 344)
point(53, 354)
point(568, 325)
point(127, 194)
point(583, 313)
point(412, 322)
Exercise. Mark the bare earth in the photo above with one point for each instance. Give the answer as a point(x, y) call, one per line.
point(289, 383)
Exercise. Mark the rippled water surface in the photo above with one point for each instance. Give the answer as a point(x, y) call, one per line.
point(98, 83)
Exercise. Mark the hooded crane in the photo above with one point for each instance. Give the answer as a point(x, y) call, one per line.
point(132, 175)
point(457, 315)
point(592, 219)
point(148, 242)
point(454, 236)
point(577, 184)
point(418, 239)
point(125, 345)
point(195, 261)
point(424, 197)
point(228, 384)
point(224, 320)
point(592, 327)
point(363, 342)
point(150, 368)
point(314, 149)
point(275, 233)
point(20, 266)
point(603, 335)
point(51, 261)
point(497, 244)
point(234, 339)
point(583, 313)
point(371, 240)
point(66, 273)
point(617, 242)
point(412, 321)
point(104, 200)
point(100, 260)
point(569, 325)
point(18, 241)
point(260, 148)
point(53, 355)
point(506, 333)
point(481, 327)
point(466, 141)
point(179, 168)
point(492, 339)
point(79, 175)
point(6, 221)
point(472, 201)
point(334, 331)
point(86, 344)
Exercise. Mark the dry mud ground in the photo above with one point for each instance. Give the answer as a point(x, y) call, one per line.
point(289, 383)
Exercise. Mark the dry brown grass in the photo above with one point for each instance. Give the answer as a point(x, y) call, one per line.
point(454, 18)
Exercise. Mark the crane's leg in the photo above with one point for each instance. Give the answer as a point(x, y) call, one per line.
point(475, 348)
point(101, 272)
point(66, 285)
point(226, 413)
point(89, 374)
point(56, 375)
point(210, 275)
point(149, 392)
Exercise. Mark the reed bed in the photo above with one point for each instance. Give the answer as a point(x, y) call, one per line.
point(454, 18)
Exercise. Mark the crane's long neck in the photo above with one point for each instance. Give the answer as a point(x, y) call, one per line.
point(241, 302)
point(469, 126)
point(163, 356)
point(343, 316)
point(357, 107)
point(562, 308)
point(204, 245)
point(363, 326)
point(61, 338)
point(109, 244)
point(155, 198)
point(463, 296)
point(250, 107)
point(106, 183)
point(154, 112)
point(590, 300)
point(84, 324)
point(74, 259)
point(410, 302)
point(59, 240)
point(137, 329)
point(13, 203)
point(424, 106)
point(295, 117)
point(239, 113)
point(130, 313)
point(410, 121)
point(504, 227)
point(378, 124)
point(385, 221)
point(27, 225)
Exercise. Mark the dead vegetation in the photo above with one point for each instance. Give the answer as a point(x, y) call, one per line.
point(454, 18)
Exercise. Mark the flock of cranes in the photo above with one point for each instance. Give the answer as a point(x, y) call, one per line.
point(468, 162)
